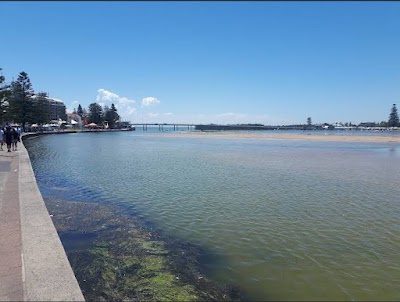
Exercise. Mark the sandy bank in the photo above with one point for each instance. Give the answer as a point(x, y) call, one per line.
point(290, 136)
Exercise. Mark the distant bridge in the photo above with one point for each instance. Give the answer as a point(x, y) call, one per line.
point(214, 127)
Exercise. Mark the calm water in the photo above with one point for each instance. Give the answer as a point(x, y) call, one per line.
point(292, 220)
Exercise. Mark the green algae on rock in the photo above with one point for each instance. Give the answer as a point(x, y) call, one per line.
point(116, 257)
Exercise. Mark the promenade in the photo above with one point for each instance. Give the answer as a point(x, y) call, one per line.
point(33, 263)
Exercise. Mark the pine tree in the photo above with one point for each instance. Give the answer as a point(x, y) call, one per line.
point(80, 111)
point(393, 117)
point(95, 114)
point(21, 105)
point(106, 111)
point(4, 96)
point(112, 116)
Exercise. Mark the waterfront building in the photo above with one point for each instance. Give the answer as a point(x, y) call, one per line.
point(75, 120)
point(57, 109)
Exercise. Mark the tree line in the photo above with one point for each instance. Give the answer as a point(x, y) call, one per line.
point(98, 114)
point(393, 121)
point(20, 104)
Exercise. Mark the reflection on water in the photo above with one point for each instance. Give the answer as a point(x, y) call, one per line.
point(294, 220)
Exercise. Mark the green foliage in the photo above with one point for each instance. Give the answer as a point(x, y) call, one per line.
point(41, 110)
point(309, 122)
point(80, 110)
point(105, 110)
point(20, 102)
point(393, 117)
point(98, 114)
point(95, 114)
point(111, 115)
point(4, 96)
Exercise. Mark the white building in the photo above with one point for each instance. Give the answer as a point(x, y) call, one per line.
point(75, 120)
point(57, 108)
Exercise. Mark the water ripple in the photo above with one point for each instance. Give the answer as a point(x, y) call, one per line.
point(294, 220)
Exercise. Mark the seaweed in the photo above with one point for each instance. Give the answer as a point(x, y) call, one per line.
point(116, 257)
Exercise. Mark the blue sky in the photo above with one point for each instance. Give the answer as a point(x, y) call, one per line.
point(210, 62)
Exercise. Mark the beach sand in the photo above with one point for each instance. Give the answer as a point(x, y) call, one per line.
point(291, 136)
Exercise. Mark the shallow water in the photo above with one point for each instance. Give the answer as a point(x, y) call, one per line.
point(292, 219)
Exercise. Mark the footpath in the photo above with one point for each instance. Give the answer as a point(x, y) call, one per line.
point(33, 263)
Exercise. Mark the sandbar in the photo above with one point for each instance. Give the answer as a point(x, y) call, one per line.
point(395, 138)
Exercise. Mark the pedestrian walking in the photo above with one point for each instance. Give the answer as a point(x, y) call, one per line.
point(15, 137)
point(1, 138)
point(8, 135)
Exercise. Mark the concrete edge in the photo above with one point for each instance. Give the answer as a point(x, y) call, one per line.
point(47, 273)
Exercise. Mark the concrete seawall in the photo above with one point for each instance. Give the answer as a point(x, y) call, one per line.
point(33, 263)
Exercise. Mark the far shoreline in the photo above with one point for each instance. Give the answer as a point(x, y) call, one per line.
point(327, 137)
point(291, 136)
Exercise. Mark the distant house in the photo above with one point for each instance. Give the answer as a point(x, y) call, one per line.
point(75, 120)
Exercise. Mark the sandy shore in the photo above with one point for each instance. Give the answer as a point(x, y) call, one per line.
point(283, 136)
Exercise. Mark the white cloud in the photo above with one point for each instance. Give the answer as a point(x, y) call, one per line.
point(104, 95)
point(149, 101)
point(128, 112)
point(131, 111)
point(125, 101)
point(73, 105)
point(124, 105)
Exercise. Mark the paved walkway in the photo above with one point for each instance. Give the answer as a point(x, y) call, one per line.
point(33, 263)
point(11, 288)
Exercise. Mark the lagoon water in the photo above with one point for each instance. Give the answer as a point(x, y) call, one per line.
point(287, 219)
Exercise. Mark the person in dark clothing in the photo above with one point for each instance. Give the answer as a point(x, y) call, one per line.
point(14, 139)
point(8, 135)
point(2, 138)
